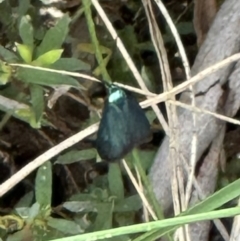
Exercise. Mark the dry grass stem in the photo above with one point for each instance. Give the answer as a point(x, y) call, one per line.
point(139, 190)
point(235, 233)
point(176, 183)
point(180, 193)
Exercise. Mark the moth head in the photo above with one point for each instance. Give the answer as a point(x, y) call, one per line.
point(115, 93)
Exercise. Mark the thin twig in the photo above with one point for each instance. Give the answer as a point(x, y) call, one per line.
point(139, 190)
point(183, 55)
point(158, 43)
point(141, 187)
point(200, 110)
point(183, 86)
point(235, 233)
point(157, 98)
point(85, 76)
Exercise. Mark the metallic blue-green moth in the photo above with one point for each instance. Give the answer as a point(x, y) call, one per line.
point(123, 125)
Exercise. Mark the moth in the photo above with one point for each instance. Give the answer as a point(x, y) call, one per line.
point(123, 125)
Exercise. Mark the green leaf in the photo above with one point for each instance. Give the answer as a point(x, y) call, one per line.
point(37, 100)
point(115, 181)
point(217, 199)
point(145, 158)
point(80, 206)
point(89, 48)
point(104, 217)
point(39, 33)
point(151, 116)
point(54, 37)
point(185, 28)
point(65, 226)
point(43, 185)
point(5, 13)
point(125, 218)
point(75, 156)
point(48, 58)
point(41, 77)
point(81, 197)
point(25, 201)
point(148, 78)
point(129, 204)
point(23, 212)
point(120, 69)
point(27, 115)
point(5, 73)
point(26, 31)
point(25, 52)
point(30, 213)
point(155, 225)
point(4, 78)
point(34, 210)
point(70, 64)
point(212, 202)
point(7, 55)
point(23, 7)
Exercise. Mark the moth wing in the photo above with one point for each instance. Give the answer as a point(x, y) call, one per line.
point(137, 122)
point(112, 139)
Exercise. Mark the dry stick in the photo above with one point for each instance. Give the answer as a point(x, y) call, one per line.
point(25, 171)
point(161, 53)
point(236, 227)
point(140, 185)
point(181, 87)
point(176, 36)
point(64, 72)
point(21, 174)
point(194, 137)
point(200, 110)
point(183, 55)
point(158, 43)
point(188, 75)
point(128, 60)
point(171, 110)
point(139, 190)
point(85, 76)
point(12, 104)
point(177, 178)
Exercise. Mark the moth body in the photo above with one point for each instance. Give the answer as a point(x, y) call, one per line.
point(123, 125)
